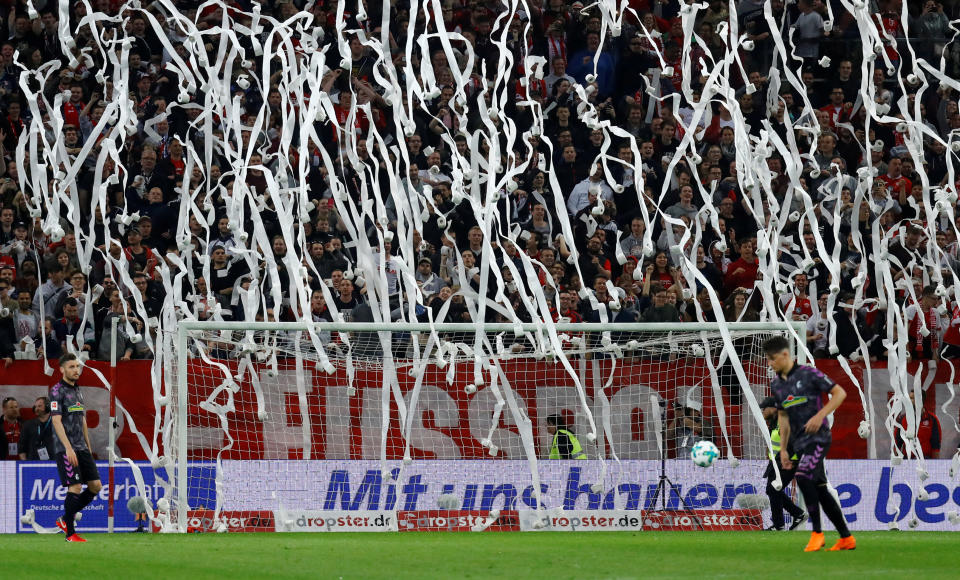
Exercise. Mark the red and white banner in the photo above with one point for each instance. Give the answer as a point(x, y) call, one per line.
point(336, 521)
point(25, 380)
point(703, 521)
point(458, 521)
point(581, 521)
point(450, 423)
point(230, 521)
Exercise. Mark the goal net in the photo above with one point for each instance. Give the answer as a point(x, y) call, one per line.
point(292, 422)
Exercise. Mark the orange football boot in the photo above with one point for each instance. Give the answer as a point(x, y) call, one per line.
point(816, 542)
point(848, 543)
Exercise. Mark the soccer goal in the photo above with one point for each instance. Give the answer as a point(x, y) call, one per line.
point(292, 426)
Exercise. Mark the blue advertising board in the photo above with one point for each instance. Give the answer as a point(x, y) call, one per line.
point(39, 489)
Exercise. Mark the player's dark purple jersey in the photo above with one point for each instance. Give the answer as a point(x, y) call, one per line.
point(66, 401)
point(801, 396)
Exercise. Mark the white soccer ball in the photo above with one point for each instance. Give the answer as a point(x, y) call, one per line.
point(704, 453)
point(448, 501)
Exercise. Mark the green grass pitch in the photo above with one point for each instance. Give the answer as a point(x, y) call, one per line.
point(553, 555)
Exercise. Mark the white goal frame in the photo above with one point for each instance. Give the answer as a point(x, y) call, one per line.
point(796, 330)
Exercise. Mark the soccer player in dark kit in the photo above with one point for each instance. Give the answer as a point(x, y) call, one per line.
point(804, 432)
point(72, 445)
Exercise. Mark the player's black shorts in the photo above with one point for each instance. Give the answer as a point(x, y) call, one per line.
point(85, 471)
point(810, 462)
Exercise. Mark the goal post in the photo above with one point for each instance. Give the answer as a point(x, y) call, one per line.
point(289, 420)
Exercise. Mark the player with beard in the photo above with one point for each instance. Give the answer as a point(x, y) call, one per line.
point(72, 446)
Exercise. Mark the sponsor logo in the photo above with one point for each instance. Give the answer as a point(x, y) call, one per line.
point(791, 401)
point(230, 521)
point(458, 521)
point(75, 408)
point(339, 521)
point(581, 521)
point(704, 520)
point(39, 490)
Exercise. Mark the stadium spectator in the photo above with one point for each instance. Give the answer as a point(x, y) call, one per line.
point(797, 304)
point(36, 437)
point(738, 307)
point(12, 428)
point(106, 337)
point(742, 273)
point(26, 320)
point(684, 207)
point(48, 295)
point(708, 270)
point(661, 309)
point(72, 327)
point(48, 345)
point(818, 329)
point(77, 292)
point(927, 429)
point(924, 323)
point(586, 193)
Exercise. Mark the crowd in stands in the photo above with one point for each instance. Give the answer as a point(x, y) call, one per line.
point(563, 185)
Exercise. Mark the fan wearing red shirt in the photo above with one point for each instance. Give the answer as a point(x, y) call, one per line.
point(951, 336)
point(838, 110)
point(797, 304)
point(889, 22)
point(73, 107)
point(894, 178)
point(929, 433)
point(567, 308)
point(921, 316)
point(13, 125)
point(342, 109)
point(743, 272)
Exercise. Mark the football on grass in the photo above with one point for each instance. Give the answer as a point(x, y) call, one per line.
point(704, 453)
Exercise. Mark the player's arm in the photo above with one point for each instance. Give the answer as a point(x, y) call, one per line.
point(62, 435)
point(837, 395)
point(784, 422)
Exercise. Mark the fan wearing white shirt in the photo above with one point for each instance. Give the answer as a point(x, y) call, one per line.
point(580, 196)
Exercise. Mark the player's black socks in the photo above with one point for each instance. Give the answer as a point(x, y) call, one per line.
point(812, 498)
point(832, 509)
point(71, 505)
point(85, 498)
